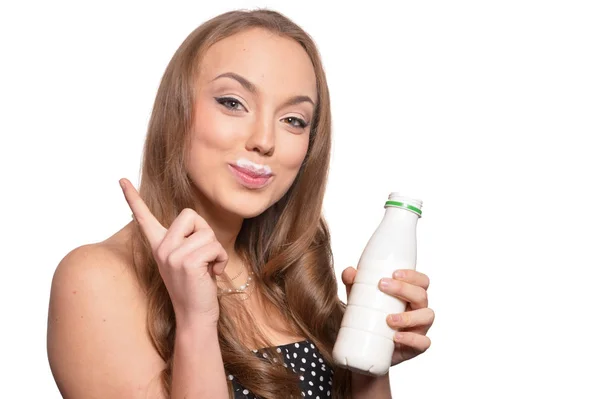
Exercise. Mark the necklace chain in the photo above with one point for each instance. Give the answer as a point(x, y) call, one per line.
point(246, 288)
point(234, 277)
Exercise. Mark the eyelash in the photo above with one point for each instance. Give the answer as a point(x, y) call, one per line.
point(224, 100)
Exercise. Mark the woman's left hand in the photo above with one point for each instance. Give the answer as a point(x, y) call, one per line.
point(412, 324)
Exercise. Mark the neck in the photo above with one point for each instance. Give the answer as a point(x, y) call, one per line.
point(226, 226)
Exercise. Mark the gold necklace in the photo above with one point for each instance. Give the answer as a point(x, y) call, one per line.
point(234, 277)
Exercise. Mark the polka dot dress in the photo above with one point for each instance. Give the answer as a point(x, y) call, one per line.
point(315, 376)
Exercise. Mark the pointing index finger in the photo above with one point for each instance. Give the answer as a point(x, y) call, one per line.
point(151, 227)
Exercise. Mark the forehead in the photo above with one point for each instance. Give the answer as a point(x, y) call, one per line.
point(274, 63)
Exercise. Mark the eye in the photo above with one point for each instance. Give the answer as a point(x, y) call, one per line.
point(230, 103)
point(295, 122)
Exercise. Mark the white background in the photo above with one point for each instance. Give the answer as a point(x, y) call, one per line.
point(487, 111)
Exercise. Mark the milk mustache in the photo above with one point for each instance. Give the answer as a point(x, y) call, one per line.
point(365, 342)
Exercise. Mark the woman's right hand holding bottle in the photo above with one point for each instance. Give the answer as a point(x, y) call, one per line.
point(185, 253)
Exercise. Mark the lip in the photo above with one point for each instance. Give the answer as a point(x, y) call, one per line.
point(250, 179)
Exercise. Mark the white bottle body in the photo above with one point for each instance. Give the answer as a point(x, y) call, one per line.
point(365, 341)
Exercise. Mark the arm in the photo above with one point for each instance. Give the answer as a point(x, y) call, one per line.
point(198, 376)
point(97, 342)
point(98, 346)
point(367, 387)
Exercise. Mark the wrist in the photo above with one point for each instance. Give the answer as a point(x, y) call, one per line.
point(195, 335)
point(196, 324)
point(367, 386)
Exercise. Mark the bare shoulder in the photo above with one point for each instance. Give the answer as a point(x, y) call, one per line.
point(97, 340)
point(106, 265)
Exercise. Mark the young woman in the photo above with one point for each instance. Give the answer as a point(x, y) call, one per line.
point(223, 285)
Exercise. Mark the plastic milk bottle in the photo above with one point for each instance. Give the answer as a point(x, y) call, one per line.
point(365, 342)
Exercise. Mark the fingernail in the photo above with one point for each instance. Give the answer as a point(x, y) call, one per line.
point(399, 274)
point(122, 184)
point(395, 317)
point(397, 336)
point(385, 282)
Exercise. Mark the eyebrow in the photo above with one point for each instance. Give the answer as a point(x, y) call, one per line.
point(251, 87)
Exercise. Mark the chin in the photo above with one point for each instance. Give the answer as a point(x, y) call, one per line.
point(247, 205)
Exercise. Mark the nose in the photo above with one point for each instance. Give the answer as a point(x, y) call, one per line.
point(262, 137)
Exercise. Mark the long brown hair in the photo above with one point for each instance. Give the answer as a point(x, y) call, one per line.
point(287, 246)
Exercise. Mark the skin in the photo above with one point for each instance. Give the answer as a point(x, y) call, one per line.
point(412, 324)
point(256, 126)
point(97, 340)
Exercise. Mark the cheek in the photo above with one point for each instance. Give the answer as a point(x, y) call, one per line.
point(211, 138)
point(293, 153)
point(211, 131)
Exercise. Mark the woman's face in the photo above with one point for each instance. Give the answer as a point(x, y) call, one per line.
point(255, 99)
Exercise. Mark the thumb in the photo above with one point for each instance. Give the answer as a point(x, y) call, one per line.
point(348, 276)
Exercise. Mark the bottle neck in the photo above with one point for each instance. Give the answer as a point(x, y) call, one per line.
point(405, 203)
point(400, 215)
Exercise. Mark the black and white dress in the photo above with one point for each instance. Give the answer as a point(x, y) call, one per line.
point(315, 375)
